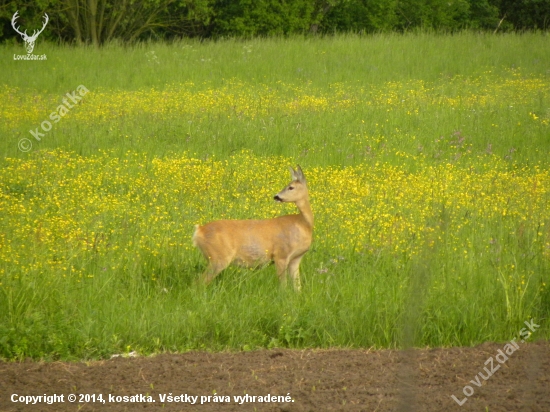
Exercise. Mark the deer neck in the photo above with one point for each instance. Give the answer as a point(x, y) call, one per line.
point(305, 211)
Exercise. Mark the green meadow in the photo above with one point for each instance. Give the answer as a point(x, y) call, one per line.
point(427, 164)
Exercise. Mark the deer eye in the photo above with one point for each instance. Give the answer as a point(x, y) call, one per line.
point(291, 188)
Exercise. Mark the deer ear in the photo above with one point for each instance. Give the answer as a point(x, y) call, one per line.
point(293, 174)
point(300, 175)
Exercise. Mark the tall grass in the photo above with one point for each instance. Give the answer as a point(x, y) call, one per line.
point(427, 163)
point(372, 59)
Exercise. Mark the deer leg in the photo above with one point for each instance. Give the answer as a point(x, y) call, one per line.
point(281, 265)
point(213, 269)
point(294, 270)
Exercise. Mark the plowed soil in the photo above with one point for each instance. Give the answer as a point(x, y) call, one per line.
point(315, 380)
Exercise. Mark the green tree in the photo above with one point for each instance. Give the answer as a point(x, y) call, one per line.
point(525, 14)
point(189, 18)
point(262, 17)
point(433, 14)
point(483, 15)
point(100, 21)
point(362, 15)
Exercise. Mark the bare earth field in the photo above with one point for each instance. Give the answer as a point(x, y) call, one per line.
point(316, 380)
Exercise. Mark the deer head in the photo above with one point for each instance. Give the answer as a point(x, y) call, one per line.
point(29, 40)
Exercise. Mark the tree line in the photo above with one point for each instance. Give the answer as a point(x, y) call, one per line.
point(99, 21)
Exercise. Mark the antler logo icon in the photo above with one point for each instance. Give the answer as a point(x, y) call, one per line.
point(29, 40)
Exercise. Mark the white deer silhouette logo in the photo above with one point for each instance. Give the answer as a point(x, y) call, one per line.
point(29, 40)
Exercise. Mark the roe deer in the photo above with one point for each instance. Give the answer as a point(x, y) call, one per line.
point(283, 240)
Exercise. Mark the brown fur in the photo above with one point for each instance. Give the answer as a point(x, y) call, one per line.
point(283, 240)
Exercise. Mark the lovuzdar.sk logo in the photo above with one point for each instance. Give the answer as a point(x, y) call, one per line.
point(29, 40)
